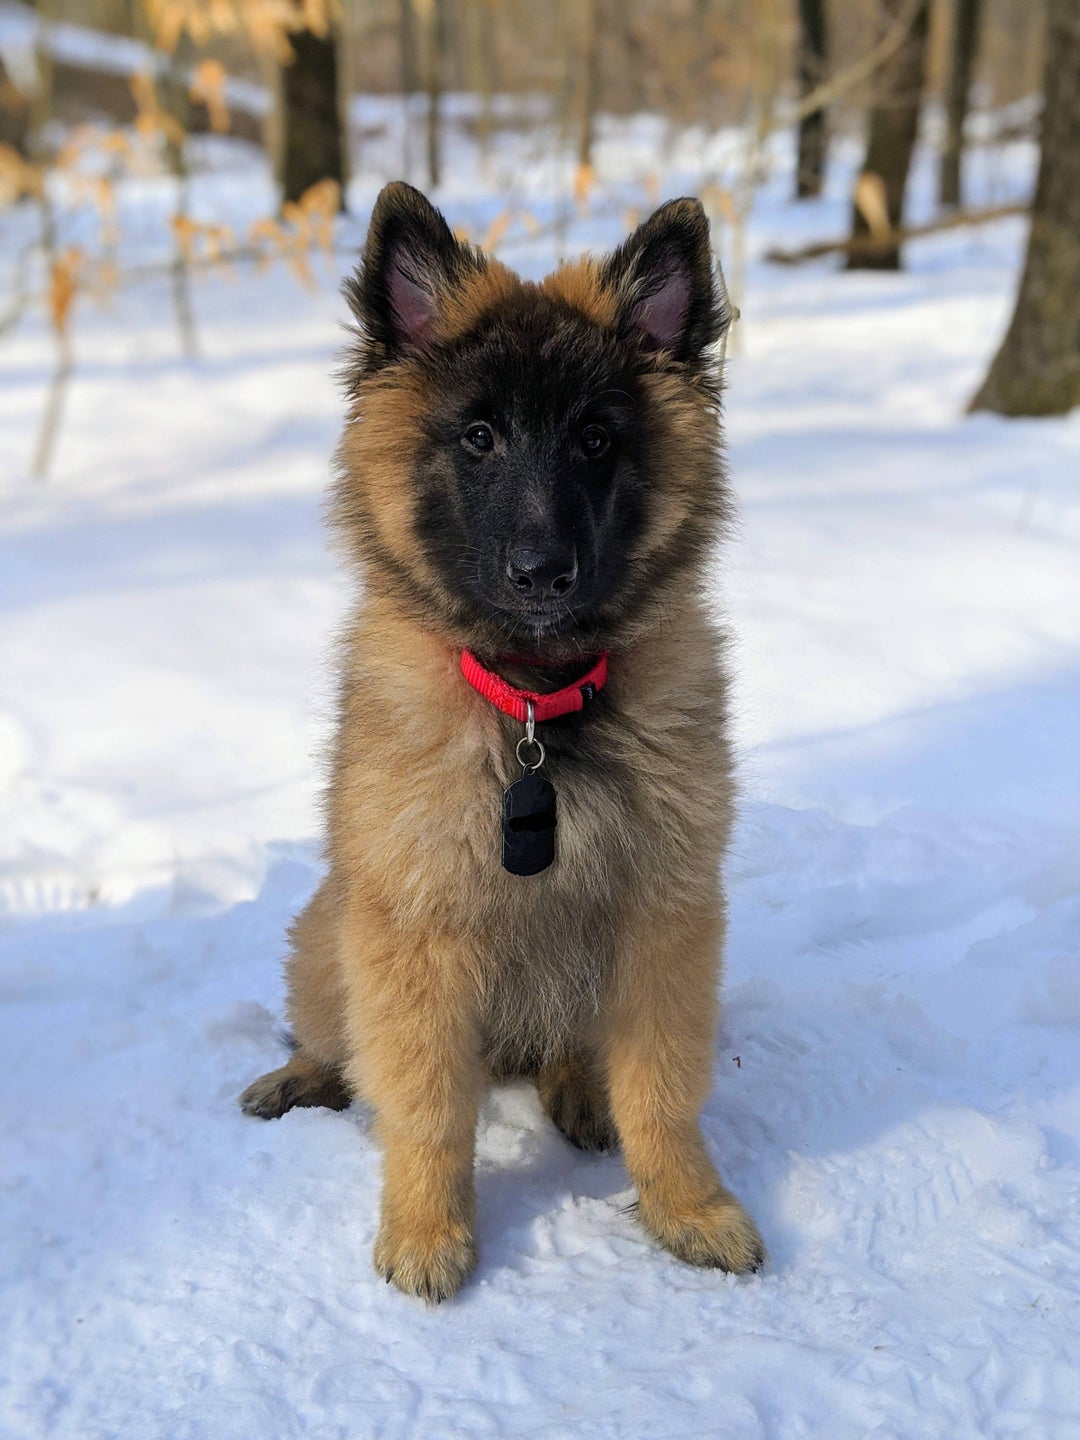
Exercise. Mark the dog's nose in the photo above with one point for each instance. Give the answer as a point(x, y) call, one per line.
point(542, 575)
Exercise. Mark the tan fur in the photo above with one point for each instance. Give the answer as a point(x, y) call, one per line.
point(421, 967)
point(484, 292)
point(577, 284)
point(374, 456)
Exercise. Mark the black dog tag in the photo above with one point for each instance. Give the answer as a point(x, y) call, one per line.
point(528, 825)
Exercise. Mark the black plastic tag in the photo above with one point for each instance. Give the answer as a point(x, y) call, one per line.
point(529, 825)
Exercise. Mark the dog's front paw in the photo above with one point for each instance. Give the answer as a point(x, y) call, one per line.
point(715, 1232)
point(431, 1263)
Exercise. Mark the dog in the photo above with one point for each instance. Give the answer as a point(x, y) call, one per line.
point(531, 787)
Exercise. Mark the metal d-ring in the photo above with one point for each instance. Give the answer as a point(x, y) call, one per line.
point(529, 738)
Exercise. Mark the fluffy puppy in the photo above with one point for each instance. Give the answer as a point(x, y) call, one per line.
point(530, 475)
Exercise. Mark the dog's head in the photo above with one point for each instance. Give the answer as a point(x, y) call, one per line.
point(534, 467)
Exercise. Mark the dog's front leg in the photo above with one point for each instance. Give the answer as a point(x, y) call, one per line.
point(660, 1050)
point(415, 1057)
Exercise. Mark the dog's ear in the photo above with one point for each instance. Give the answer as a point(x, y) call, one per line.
point(410, 262)
point(666, 283)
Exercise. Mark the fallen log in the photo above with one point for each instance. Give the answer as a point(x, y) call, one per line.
point(850, 245)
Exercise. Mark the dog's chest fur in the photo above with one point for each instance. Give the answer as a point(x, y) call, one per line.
point(644, 803)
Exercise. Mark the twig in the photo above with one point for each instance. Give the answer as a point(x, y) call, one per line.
point(54, 405)
point(181, 287)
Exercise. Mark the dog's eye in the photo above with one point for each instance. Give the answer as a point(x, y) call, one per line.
point(479, 437)
point(594, 442)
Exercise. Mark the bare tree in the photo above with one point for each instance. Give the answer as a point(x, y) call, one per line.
point(635, 61)
point(313, 141)
point(589, 53)
point(1037, 369)
point(894, 122)
point(424, 27)
point(407, 81)
point(811, 59)
point(479, 22)
point(967, 17)
point(14, 114)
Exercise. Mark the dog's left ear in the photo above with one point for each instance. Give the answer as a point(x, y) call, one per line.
point(666, 282)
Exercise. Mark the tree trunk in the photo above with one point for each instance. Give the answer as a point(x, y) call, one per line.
point(479, 24)
point(894, 122)
point(407, 82)
point(14, 114)
point(811, 60)
point(314, 148)
point(430, 16)
point(635, 63)
point(965, 42)
point(1037, 369)
point(590, 74)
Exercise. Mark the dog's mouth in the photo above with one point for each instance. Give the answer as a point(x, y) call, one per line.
point(540, 620)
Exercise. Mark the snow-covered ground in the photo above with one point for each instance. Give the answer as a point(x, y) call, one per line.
point(898, 1077)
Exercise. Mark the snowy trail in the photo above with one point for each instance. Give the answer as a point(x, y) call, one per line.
point(898, 1076)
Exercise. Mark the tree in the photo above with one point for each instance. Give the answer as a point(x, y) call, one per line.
point(434, 29)
point(894, 122)
point(811, 57)
point(14, 114)
point(589, 53)
point(1037, 369)
point(479, 21)
point(312, 131)
point(423, 36)
point(967, 17)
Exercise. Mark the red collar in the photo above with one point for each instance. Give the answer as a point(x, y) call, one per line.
point(515, 703)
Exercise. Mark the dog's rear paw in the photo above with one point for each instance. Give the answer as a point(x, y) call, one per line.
point(301, 1082)
point(270, 1096)
point(578, 1107)
point(717, 1233)
point(431, 1264)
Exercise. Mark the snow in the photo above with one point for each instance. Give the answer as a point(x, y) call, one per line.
point(897, 1092)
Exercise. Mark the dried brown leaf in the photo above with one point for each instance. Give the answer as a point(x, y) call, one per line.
point(64, 275)
point(208, 85)
point(496, 230)
point(584, 184)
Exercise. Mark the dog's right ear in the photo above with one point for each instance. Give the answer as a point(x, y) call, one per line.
point(411, 261)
